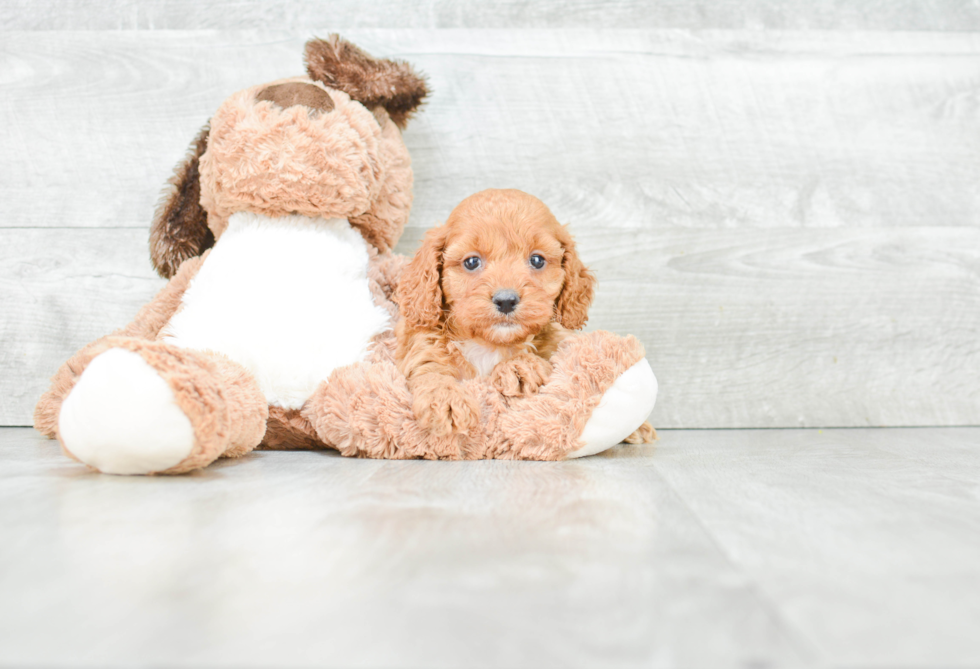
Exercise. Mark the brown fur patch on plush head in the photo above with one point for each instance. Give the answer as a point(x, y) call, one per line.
point(180, 224)
point(374, 82)
point(296, 93)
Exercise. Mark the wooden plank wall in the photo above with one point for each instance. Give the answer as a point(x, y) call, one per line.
point(782, 200)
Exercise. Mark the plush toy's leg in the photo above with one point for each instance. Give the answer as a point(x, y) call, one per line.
point(601, 390)
point(142, 407)
point(622, 410)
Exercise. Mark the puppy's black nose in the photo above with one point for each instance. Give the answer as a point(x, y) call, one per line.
point(506, 300)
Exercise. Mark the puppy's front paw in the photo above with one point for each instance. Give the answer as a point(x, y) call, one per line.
point(443, 407)
point(521, 376)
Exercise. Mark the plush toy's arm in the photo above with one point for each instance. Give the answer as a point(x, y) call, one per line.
point(601, 390)
point(157, 313)
point(147, 325)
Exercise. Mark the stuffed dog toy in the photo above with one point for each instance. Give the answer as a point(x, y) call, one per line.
point(276, 327)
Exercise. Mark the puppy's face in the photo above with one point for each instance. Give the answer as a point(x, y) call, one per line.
point(502, 269)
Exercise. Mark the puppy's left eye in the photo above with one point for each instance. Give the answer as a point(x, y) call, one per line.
point(537, 261)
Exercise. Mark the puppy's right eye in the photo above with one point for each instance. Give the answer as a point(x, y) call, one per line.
point(472, 263)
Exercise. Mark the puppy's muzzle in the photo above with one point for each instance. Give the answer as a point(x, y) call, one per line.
point(506, 300)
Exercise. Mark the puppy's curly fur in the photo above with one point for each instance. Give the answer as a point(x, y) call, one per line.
point(493, 292)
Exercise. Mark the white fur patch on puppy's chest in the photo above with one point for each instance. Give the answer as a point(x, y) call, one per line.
point(287, 298)
point(483, 358)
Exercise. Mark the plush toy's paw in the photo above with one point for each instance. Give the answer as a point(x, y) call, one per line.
point(521, 376)
point(442, 406)
point(621, 411)
point(122, 418)
point(645, 434)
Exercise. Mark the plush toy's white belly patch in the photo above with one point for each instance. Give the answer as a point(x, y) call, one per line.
point(287, 298)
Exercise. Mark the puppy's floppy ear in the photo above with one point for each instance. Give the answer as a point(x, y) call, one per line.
point(180, 225)
point(419, 292)
point(572, 305)
point(373, 82)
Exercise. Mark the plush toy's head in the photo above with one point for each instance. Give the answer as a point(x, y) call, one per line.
point(325, 145)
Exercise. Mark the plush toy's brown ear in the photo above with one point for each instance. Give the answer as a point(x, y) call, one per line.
point(572, 305)
point(373, 82)
point(419, 293)
point(180, 225)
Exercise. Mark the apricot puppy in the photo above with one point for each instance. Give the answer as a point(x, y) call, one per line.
point(492, 292)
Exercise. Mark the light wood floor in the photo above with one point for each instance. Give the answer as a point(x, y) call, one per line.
point(755, 548)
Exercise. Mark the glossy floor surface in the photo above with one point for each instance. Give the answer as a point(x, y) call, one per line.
point(712, 548)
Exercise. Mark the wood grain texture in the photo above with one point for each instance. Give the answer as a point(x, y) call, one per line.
point(789, 221)
point(628, 129)
point(718, 548)
point(865, 541)
point(744, 328)
point(920, 15)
